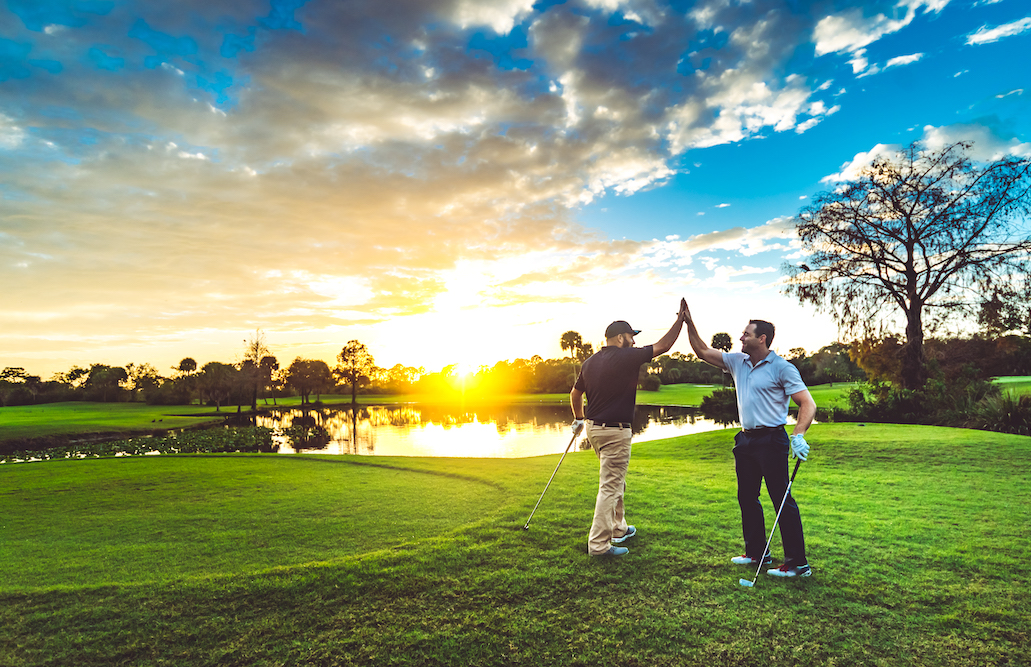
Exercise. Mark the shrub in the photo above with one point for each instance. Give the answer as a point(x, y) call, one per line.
point(1005, 413)
point(721, 406)
point(651, 382)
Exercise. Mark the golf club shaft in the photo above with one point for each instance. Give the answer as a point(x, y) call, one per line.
point(571, 441)
point(791, 481)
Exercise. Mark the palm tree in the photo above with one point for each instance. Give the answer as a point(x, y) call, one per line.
point(571, 341)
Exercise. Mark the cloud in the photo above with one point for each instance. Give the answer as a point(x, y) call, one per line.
point(986, 35)
point(851, 170)
point(987, 146)
point(501, 16)
point(898, 61)
point(852, 30)
point(318, 165)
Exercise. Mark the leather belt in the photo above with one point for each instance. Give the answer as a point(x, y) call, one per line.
point(611, 424)
point(760, 429)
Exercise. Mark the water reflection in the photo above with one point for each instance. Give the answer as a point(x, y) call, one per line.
point(510, 431)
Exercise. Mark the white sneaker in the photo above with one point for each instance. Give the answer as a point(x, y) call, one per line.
point(630, 532)
point(791, 571)
point(748, 560)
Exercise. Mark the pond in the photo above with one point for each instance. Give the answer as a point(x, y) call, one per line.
point(510, 431)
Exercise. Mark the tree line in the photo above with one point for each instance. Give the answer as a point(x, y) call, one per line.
point(258, 377)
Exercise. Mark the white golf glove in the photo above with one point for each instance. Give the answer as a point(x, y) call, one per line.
point(799, 447)
point(577, 425)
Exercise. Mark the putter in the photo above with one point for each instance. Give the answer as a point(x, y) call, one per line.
point(749, 584)
point(571, 441)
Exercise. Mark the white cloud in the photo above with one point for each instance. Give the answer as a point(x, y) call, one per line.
point(850, 170)
point(903, 60)
point(986, 35)
point(987, 145)
point(851, 31)
point(499, 15)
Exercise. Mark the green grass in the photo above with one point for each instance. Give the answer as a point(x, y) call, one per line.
point(917, 535)
point(80, 418)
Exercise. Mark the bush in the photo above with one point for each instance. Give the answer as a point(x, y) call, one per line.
point(721, 406)
point(938, 402)
point(1005, 413)
point(651, 382)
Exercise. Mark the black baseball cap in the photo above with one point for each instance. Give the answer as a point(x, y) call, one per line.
point(619, 327)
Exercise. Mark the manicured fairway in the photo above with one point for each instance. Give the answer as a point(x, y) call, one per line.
point(81, 417)
point(918, 538)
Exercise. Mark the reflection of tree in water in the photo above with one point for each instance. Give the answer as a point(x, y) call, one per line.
point(356, 431)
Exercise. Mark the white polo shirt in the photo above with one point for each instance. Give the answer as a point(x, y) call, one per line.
point(763, 391)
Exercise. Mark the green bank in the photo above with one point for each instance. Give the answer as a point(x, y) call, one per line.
point(917, 535)
point(84, 419)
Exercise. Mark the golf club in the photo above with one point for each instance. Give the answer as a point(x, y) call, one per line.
point(746, 583)
point(571, 441)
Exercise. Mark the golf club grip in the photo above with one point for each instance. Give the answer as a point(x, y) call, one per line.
point(798, 462)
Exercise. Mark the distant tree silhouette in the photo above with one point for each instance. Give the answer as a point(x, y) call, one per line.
point(722, 341)
point(307, 376)
point(355, 367)
point(571, 341)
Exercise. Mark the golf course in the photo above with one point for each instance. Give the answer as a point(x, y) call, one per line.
point(917, 535)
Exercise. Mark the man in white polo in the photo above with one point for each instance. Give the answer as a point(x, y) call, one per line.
point(609, 380)
point(764, 381)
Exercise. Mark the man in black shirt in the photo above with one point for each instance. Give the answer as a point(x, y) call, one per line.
point(609, 380)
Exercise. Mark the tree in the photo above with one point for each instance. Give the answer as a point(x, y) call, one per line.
point(923, 234)
point(186, 377)
point(307, 376)
point(355, 367)
point(255, 349)
point(141, 376)
point(267, 368)
point(11, 379)
point(216, 382)
point(722, 341)
point(571, 341)
point(103, 380)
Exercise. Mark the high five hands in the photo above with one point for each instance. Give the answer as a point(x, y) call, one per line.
point(685, 314)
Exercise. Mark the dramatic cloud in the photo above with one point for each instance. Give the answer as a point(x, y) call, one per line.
point(190, 170)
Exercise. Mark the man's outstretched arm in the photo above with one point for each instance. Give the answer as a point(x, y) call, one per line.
point(665, 343)
point(701, 350)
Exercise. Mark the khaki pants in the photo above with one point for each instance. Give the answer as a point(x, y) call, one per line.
point(612, 445)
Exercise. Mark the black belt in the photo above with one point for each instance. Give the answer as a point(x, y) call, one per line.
point(760, 429)
point(611, 424)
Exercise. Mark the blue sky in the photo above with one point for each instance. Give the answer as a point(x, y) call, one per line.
point(452, 181)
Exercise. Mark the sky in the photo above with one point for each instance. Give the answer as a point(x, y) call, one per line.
point(452, 181)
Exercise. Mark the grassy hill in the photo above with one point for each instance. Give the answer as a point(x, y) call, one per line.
point(917, 536)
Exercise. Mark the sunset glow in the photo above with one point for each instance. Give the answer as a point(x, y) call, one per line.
point(451, 182)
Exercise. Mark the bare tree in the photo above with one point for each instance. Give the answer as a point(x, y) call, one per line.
point(925, 235)
point(255, 349)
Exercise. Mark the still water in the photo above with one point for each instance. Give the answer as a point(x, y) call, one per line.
point(511, 431)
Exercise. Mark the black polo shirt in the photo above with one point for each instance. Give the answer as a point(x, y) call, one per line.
point(609, 379)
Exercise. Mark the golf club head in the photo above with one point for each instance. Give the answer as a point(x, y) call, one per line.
point(746, 583)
